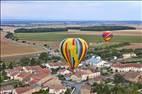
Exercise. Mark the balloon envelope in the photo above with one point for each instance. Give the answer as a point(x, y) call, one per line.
point(107, 36)
point(73, 50)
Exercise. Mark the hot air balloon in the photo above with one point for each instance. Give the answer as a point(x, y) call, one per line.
point(73, 50)
point(107, 36)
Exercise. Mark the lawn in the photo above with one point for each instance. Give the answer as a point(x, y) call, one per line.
point(56, 36)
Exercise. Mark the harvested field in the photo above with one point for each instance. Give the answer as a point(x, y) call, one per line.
point(12, 48)
point(116, 32)
point(133, 46)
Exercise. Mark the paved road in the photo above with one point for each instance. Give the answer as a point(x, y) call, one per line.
point(75, 85)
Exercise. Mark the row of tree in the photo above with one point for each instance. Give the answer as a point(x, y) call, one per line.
point(37, 30)
point(106, 28)
point(89, 28)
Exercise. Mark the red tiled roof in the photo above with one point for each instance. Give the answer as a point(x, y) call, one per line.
point(127, 65)
point(18, 68)
point(21, 90)
point(14, 73)
point(6, 87)
point(47, 71)
point(54, 83)
point(99, 78)
point(33, 67)
point(28, 68)
point(33, 81)
point(81, 72)
point(24, 75)
point(36, 68)
point(57, 64)
point(62, 70)
point(131, 75)
point(37, 74)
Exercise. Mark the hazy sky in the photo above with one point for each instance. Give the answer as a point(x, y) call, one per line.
point(72, 10)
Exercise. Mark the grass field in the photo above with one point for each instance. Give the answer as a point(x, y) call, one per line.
point(55, 36)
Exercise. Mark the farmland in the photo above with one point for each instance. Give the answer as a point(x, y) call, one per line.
point(90, 37)
point(11, 48)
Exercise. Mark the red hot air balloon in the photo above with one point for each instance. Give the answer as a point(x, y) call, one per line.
point(107, 36)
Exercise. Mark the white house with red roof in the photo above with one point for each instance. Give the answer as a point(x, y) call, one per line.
point(84, 74)
point(128, 55)
point(7, 89)
point(63, 72)
point(29, 74)
point(25, 90)
point(55, 65)
point(126, 67)
point(133, 76)
point(54, 85)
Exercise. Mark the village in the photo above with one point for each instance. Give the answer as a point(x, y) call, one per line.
point(55, 76)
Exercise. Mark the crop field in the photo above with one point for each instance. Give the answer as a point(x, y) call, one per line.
point(10, 48)
point(56, 36)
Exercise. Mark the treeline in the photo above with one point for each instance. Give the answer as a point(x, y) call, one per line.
point(89, 28)
point(36, 30)
point(105, 28)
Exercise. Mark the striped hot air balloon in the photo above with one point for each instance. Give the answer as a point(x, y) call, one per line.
point(107, 36)
point(73, 50)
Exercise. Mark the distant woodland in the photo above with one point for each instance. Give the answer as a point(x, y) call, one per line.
point(89, 28)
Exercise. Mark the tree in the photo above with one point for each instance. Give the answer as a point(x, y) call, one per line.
point(45, 45)
point(43, 57)
point(10, 35)
point(61, 77)
point(118, 79)
point(23, 41)
point(56, 58)
point(34, 61)
point(25, 61)
point(10, 65)
point(42, 92)
point(3, 76)
point(3, 66)
point(16, 39)
point(68, 91)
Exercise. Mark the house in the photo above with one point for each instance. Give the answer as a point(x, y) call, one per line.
point(23, 75)
point(25, 90)
point(85, 89)
point(12, 73)
point(128, 55)
point(98, 79)
point(84, 74)
point(55, 65)
point(63, 72)
point(54, 85)
point(29, 74)
point(7, 89)
point(126, 67)
point(133, 76)
point(97, 62)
